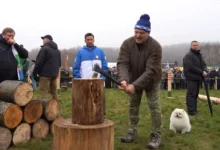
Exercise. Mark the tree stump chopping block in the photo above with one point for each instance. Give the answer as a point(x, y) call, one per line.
point(68, 136)
point(59, 118)
point(17, 92)
point(87, 101)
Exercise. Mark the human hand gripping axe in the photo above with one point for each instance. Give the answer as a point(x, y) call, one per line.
point(99, 70)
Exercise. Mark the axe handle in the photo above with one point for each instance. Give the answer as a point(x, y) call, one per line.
point(109, 77)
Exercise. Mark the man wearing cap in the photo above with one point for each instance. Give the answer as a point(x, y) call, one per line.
point(47, 66)
point(139, 69)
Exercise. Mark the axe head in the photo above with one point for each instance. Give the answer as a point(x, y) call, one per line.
point(97, 68)
point(95, 75)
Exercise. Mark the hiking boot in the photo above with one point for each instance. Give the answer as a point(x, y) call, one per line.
point(130, 137)
point(154, 142)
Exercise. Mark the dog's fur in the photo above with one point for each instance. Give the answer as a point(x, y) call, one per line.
point(179, 121)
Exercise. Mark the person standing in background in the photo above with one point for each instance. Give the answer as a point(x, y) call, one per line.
point(10, 54)
point(47, 66)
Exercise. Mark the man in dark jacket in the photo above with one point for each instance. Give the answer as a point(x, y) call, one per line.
point(8, 50)
point(47, 66)
point(194, 71)
point(139, 69)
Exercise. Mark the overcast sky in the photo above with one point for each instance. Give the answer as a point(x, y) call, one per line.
point(111, 21)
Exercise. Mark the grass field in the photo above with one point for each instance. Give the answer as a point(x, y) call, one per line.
point(205, 134)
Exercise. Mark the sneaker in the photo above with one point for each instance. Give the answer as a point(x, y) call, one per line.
point(154, 142)
point(130, 137)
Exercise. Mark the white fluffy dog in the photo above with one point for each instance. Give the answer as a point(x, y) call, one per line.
point(179, 121)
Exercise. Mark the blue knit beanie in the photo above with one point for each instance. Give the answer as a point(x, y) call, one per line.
point(143, 23)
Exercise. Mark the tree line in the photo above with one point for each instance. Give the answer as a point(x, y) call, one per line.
point(170, 53)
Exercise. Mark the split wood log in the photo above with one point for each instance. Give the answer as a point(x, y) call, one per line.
point(40, 129)
point(22, 134)
point(5, 138)
point(70, 136)
point(33, 111)
point(16, 92)
point(88, 101)
point(10, 115)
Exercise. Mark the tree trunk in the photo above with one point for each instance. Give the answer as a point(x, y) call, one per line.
point(22, 134)
point(87, 101)
point(68, 136)
point(5, 138)
point(59, 118)
point(51, 109)
point(10, 115)
point(16, 92)
point(40, 129)
point(33, 111)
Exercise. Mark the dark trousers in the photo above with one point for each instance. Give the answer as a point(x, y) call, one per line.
point(192, 95)
point(178, 85)
point(212, 82)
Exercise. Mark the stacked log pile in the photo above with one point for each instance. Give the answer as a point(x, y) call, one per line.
point(21, 116)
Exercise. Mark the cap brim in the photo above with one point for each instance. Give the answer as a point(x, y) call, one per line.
point(42, 37)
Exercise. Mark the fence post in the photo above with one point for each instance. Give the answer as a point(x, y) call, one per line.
point(169, 85)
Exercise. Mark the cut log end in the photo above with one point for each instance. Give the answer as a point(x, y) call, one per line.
point(40, 129)
point(13, 116)
point(23, 94)
point(16, 92)
point(52, 110)
point(5, 138)
point(22, 134)
point(59, 118)
point(33, 111)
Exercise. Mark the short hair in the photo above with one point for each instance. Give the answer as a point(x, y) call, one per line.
point(194, 41)
point(6, 30)
point(89, 34)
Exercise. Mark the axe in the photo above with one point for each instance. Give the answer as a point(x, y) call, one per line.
point(99, 70)
point(208, 97)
